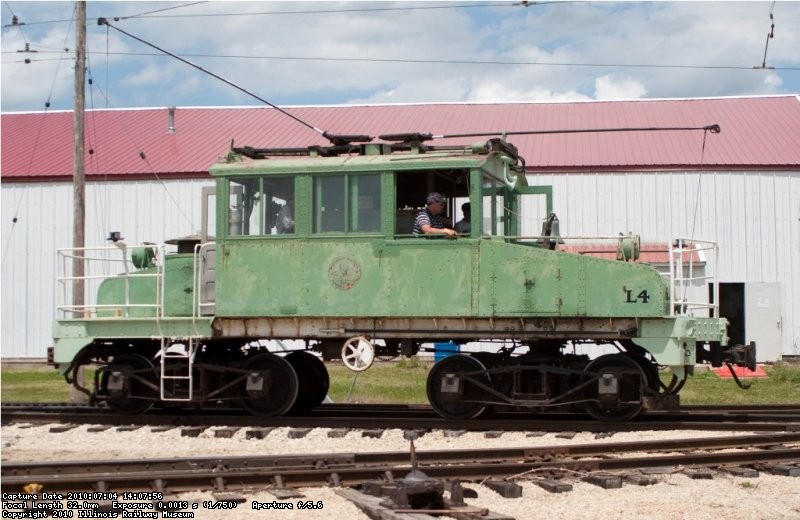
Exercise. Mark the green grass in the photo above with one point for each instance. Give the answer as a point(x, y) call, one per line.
point(404, 382)
point(401, 382)
point(31, 383)
point(781, 387)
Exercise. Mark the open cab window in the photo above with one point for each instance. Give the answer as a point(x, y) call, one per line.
point(496, 208)
point(261, 206)
point(412, 188)
point(493, 208)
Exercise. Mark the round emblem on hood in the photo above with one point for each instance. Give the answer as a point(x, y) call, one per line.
point(344, 272)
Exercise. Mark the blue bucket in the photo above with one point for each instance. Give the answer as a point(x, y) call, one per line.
point(442, 350)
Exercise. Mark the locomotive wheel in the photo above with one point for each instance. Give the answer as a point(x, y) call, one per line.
point(312, 378)
point(450, 391)
point(631, 380)
point(141, 382)
point(271, 387)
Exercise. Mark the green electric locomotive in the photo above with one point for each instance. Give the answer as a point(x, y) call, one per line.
point(314, 247)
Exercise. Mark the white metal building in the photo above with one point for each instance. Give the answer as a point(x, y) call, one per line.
point(750, 207)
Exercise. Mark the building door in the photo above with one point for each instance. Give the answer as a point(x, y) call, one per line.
point(763, 319)
point(754, 313)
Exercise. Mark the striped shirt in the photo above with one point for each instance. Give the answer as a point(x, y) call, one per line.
point(425, 217)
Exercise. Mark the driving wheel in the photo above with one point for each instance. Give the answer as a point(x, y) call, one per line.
point(270, 386)
point(454, 387)
point(312, 379)
point(129, 384)
point(617, 394)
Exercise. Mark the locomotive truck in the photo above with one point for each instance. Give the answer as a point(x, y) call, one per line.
point(194, 327)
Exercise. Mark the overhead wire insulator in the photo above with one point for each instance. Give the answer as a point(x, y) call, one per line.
point(770, 35)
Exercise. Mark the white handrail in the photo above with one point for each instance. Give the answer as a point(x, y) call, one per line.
point(684, 255)
point(99, 261)
point(197, 269)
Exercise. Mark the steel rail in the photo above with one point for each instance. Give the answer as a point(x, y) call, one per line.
point(221, 478)
point(450, 456)
point(359, 408)
point(174, 473)
point(427, 421)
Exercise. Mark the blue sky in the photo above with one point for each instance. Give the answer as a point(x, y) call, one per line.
point(404, 52)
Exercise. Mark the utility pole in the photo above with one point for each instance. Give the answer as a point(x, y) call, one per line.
point(78, 179)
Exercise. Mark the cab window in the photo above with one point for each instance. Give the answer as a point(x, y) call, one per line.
point(261, 206)
point(347, 203)
point(495, 212)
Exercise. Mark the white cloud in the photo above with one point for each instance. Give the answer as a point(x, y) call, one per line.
point(150, 74)
point(420, 89)
point(772, 80)
point(495, 91)
point(28, 86)
point(563, 39)
point(612, 86)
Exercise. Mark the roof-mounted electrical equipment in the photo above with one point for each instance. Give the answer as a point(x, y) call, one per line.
point(408, 137)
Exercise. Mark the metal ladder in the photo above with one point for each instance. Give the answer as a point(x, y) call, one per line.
point(185, 361)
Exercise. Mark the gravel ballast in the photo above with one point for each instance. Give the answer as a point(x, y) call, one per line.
point(674, 496)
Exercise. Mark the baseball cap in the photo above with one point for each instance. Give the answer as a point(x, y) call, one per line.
point(435, 197)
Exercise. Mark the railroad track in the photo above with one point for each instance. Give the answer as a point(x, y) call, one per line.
point(776, 452)
point(718, 418)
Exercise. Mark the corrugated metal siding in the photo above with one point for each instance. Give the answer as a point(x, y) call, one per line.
point(755, 217)
point(142, 210)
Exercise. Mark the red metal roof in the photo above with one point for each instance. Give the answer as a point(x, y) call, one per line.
point(757, 133)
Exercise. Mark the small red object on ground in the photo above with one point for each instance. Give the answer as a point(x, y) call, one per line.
point(741, 372)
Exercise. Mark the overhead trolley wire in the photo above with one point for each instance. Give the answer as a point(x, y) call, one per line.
point(34, 149)
point(101, 208)
point(770, 35)
point(15, 22)
point(698, 193)
point(407, 7)
point(103, 21)
point(452, 62)
point(714, 128)
point(147, 13)
point(154, 14)
point(142, 155)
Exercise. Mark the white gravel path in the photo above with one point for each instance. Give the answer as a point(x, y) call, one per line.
point(675, 496)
